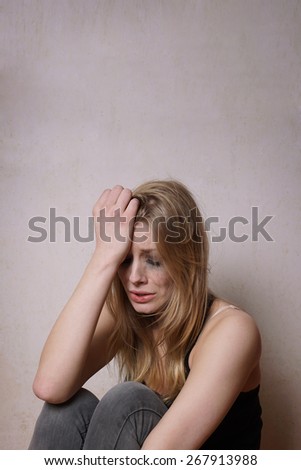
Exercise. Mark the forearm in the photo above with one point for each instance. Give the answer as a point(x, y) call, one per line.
point(78, 344)
point(66, 349)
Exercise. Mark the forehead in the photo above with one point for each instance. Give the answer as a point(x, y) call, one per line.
point(143, 238)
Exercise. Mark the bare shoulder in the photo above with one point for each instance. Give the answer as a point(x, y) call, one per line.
point(228, 315)
point(231, 330)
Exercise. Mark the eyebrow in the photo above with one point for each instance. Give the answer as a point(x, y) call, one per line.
point(148, 250)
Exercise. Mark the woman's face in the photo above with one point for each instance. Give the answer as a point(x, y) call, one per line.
point(143, 274)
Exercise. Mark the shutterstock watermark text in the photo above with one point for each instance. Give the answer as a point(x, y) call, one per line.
point(238, 229)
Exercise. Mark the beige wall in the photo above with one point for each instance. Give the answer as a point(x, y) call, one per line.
point(100, 92)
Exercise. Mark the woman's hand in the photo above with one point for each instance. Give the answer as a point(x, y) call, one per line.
point(114, 214)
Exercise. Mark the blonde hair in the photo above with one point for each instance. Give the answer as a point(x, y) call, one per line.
point(170, 210)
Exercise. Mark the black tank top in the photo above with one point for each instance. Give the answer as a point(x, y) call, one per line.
point(241, 427)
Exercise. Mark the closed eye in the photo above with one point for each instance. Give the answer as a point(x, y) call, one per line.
point(153, 262)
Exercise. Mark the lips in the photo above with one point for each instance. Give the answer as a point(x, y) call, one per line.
point(141, 297)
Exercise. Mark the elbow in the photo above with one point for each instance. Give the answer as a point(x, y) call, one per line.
point(48, 392)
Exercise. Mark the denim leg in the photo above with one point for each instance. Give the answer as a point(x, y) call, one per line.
point(124, 417)
point(64, 426)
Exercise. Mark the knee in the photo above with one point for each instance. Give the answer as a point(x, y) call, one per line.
point(130, 396)
point(57, 416)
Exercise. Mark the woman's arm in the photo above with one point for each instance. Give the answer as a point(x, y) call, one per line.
point(78, 343)
point(223, 359)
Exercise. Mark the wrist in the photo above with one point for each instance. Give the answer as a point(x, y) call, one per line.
point(102, 262)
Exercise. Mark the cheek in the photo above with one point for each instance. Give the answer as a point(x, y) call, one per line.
point(166, 284)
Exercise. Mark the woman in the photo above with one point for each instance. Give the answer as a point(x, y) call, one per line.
point(190, 361)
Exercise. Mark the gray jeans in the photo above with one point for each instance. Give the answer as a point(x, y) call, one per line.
point(122, 419)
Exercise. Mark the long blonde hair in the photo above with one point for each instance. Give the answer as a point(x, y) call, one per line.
point(169, 208)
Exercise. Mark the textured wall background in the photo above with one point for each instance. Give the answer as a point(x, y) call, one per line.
point(100, 92)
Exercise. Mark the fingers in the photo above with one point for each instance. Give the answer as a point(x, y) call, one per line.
point(123, 199)
point(115, 194)
point(132, 207)
point(114, 215)
point(117, 198)
point(109, 196)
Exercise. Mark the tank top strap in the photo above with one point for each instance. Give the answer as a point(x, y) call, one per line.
point(220, 310)
point(225, 307)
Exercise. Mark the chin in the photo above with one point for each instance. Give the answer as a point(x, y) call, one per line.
point(144, 309)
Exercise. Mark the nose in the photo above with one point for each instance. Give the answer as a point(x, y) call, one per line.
point(136, 273)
